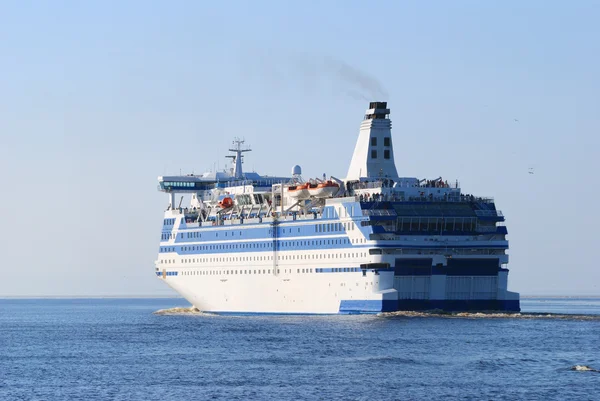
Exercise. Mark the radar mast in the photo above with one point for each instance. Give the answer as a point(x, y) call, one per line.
point(238, 148)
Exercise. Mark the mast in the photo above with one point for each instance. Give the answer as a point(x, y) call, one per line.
point(238, 149)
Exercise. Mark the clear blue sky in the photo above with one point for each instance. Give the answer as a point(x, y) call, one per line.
point(98, 98)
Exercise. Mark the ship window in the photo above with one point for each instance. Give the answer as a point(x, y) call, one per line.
point(386, 154)
point(386, 141)
point(373, 154)
point(373, 141)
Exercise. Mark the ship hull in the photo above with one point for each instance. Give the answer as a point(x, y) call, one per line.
point(314, 296)
point(292, 291)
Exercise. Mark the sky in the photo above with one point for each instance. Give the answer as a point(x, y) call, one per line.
point(99, 98)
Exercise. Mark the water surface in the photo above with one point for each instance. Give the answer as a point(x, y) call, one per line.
point(119, 349)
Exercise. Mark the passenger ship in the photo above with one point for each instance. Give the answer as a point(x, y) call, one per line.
point(367, 243)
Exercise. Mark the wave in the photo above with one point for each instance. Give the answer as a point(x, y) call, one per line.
point(192, 310)
point(385, 358)
point(489, 315)
point(583, 368)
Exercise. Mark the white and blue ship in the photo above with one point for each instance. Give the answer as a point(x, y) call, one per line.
point(367, 243)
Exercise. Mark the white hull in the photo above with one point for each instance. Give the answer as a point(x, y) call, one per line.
point(295, 293)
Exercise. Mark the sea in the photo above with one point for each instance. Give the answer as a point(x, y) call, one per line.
point(159, 349)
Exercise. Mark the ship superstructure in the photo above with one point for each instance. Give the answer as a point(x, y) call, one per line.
point(368, 243)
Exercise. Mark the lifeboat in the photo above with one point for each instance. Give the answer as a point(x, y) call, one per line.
point(324, 189)
point(226, 203)
point(299, 191)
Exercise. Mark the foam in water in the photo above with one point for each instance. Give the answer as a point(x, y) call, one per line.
point(584, 368)
point(192, 310)
point(489, 315)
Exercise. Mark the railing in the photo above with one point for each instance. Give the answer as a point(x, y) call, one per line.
point(177, 186)
point(489, 213)
point(430, 225)
point(191, 217)
point(445, 251)
point(379, 212)
point(393, 197)
point(388, 183)
point(371, 185)
point(486, 229)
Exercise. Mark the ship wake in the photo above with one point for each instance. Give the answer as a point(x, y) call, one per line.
point(489, 315)
point(179, 310)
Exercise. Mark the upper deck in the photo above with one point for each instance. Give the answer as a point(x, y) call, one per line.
point(382, 200)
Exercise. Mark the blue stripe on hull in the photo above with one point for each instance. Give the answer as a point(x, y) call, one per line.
point(357, 306)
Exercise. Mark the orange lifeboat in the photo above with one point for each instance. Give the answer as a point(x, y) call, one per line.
point(325, 189)
point(299, 191)
point(226, 203)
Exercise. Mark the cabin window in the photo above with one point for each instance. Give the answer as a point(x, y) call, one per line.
point(373, 141)
point(386, 154)
point(373, 154)
point(386, 141)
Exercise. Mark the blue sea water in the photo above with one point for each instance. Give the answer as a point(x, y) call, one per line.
point(118, 349)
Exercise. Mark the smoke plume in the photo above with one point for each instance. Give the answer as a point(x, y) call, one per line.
point(313, 73)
